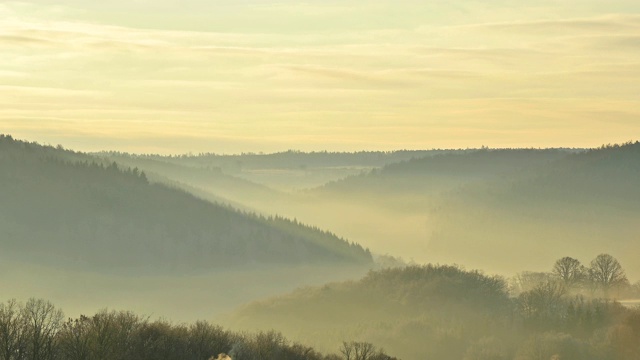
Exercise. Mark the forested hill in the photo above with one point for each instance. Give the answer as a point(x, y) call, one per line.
point(57, 207)
point(534, 204)
point(609, 175)
point(448, 170)
point(420, 312)
point(212, 180)
point(297, 159)
point(610, 169)
point(448, 313)
point(585, 202)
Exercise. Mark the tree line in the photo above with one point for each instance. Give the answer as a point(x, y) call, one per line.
point(603, 277)
point(37, 330)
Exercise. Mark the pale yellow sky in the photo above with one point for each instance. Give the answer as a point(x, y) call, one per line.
point(175, 76)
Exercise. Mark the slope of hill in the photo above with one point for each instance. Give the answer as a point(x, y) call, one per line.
point(396, 308)
point(583, 203)
point(58, 210)
point(535, 205)
point(445, 312)
point(446, 171)
point(606, 175)
point(212, 180)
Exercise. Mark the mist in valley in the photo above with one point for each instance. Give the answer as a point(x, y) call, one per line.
point(186, 238)
point(458, 206)
point(319, 180)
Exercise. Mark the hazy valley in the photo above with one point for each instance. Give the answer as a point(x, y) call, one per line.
point(319, 180)
point(451, 206)
point(191, 238)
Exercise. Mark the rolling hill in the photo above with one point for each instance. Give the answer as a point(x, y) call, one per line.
point(206, 181)
point(446, 312)
point(584, 203)
point(288, 171)
point(534, 205)
point(68, 209)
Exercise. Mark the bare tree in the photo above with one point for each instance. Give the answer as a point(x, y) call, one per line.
point(606, 272)
point(12, 331)
point(347, 350)
point(570, 271)
point(528, 280)
point(544, 302)
point(206, 339)
point(43, 323)
point(362, 351)
point(74, 339)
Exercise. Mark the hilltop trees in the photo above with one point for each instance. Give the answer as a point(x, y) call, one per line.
point(570, 271)
point(603, 274)
point(606, 272)
point(448, 313)
point(541, 306)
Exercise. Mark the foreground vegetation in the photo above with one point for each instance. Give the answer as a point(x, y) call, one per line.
point(415, 312)
point(36, 330)
point(446, 312)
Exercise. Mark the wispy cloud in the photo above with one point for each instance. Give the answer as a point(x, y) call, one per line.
point(614, 23)
point(366, 79)
point(22, 40)
point(435, 70)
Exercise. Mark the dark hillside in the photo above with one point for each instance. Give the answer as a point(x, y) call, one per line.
point(586, 202)
point(443, 172)
point(211, 180)
point(57, 210)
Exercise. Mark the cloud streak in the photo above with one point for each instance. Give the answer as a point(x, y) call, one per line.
point(615, 23)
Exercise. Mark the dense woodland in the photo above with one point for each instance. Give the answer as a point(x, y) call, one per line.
point(446, 312)
point(213, 181)
point(87, 214)
point(443, 205)
point(458, 206)
point(533, 204)
point(582, 203)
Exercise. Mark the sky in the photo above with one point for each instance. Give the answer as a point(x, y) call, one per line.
point(170, 76)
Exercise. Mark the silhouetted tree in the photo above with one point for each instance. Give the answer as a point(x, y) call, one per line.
point(570, 271)
point(43, 322)
point(13, 331)
point(355, 350)
point(606, 272)
point(542, 306)
point(528, 280)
